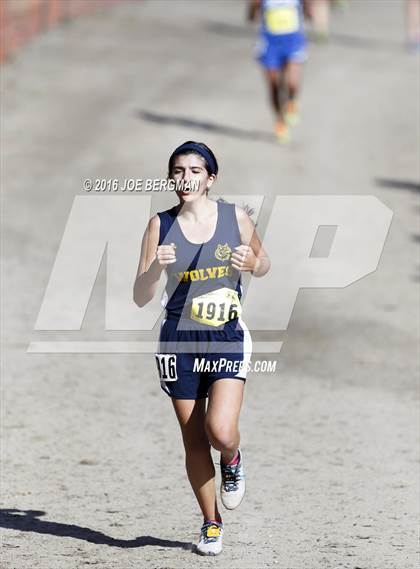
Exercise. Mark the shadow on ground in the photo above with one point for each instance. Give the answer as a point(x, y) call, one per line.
point(159, 118)
point(397, 184)
point(410, 187)
point(28, 520)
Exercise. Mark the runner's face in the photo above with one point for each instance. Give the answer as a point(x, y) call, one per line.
point(190, 169)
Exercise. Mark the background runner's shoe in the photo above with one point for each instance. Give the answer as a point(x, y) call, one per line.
point(282, 132)
point(291, 113)
point(211, 538)
point(232, 488)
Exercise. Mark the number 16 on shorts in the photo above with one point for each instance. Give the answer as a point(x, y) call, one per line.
point(166, 364)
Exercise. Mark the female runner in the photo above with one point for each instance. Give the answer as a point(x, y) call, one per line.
point(281, 50)
point(204, 346)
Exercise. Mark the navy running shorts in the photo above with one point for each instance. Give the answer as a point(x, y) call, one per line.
point(189, 361)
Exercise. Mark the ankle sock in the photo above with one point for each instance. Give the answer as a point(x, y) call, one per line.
point(234, 460)
point(217, 521)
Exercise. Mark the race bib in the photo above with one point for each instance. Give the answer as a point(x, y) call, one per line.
point(282, 20)
point(166, 364)
point(217, 307)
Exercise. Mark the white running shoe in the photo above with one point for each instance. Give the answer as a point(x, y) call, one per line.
point(232, 488)
point(211, 538)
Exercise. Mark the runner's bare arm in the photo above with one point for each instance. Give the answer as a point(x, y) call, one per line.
point(251, 255)
point(254, 8)
point(306, 6)
point(153, 259)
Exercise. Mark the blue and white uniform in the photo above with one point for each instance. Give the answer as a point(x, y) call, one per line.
point(202, 326)
point(282, 38)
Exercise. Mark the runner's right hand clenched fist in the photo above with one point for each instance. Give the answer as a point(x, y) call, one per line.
point(165, 254)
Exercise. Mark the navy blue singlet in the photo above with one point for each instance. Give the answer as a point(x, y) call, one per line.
point(199, 269)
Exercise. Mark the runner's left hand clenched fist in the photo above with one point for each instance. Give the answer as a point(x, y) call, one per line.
point(244, 259)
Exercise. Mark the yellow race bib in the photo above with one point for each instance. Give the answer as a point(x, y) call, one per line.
point(217, 307)
point(282, 20)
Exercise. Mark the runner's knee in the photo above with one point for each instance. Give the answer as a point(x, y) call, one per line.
point(221, 437)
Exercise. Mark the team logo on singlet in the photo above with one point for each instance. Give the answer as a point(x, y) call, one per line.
point(222, 252)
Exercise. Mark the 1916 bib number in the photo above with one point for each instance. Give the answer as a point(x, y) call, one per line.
point(217, 307)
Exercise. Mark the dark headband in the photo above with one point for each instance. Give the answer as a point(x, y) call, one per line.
point(188, 146)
